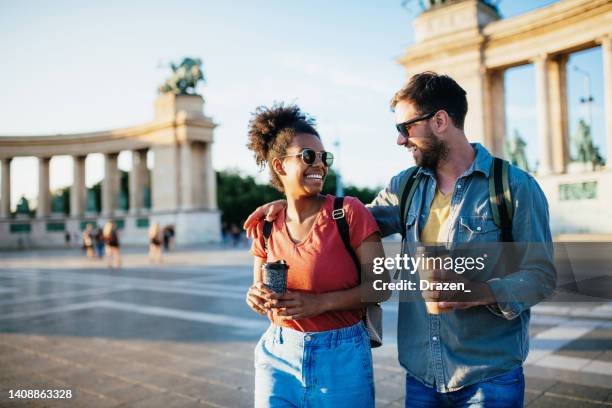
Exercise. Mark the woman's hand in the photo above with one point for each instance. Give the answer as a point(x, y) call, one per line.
point(268, 211)
point(296, 305)
point(257, 297)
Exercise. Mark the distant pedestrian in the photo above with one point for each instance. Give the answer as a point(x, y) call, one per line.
point(88, 241)
point(99, 242)
point(155, 242)
point(236, 234)
point(168, 237)
point(111, 239)
point(67, 238)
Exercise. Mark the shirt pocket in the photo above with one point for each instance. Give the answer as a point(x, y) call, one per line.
point(478, 229)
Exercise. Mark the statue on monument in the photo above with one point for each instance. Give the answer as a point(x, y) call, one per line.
point(427, 4)
point(23, 207)
point(516, 151)
point(184, 78)
point(586, 151)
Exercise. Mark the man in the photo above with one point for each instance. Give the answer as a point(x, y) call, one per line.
point(472, 354)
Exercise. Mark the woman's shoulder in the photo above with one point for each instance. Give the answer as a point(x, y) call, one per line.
point(352, 206)
point(349, 203)
point(277, 224)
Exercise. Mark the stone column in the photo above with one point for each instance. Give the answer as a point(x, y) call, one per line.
point(137, 180)
point(606, 50)
point(543, 109)
point(44, 195)
point(110, 184)
point(495, 113)
point(193, 175)
point(187, 178)
point(210, 180)
point(78, 192)
point(557, 99)
point(5, 188)
point(165, 178)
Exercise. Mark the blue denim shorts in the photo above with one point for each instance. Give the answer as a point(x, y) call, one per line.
point(320, 369)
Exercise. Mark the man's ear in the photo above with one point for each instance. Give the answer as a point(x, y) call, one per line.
point(277, 166)
point(441, 121)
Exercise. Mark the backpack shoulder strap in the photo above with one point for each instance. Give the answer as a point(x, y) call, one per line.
point(406, 193)
point(267, 231)
point(343, 228)
point(501, 197)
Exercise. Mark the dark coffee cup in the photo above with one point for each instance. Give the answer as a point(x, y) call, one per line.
point(275, 276)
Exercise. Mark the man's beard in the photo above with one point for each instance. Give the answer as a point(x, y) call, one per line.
point(433, 150)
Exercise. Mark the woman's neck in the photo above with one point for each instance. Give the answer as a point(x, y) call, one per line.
point(301, 208)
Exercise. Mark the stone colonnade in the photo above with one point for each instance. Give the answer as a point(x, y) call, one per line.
point(470, 42)
point(182, 181)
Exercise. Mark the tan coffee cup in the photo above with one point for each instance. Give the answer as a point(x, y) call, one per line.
point(425, 273)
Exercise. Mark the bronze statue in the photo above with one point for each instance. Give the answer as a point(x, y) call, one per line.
point(23, 207)
point(184, 78)
point(515, 150)
point(586, 150)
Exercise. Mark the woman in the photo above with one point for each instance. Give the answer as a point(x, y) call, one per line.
point(316, 352)
point(155, 251)
point(88, 243)
point(111, 239)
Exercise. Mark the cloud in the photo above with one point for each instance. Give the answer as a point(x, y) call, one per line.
point(338, 77)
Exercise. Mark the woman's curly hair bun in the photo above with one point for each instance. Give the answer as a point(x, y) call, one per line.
point(272, 129)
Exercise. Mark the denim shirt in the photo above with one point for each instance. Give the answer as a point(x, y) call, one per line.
point(462, 347)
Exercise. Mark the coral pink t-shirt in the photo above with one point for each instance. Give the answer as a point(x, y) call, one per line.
point(320, 262)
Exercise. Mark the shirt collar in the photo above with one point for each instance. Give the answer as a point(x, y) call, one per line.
point(482, 162)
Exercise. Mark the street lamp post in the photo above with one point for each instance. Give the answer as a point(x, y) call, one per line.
point(587, 98)
point(339, 186)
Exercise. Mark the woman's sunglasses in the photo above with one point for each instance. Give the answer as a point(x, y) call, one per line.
point(309, 157)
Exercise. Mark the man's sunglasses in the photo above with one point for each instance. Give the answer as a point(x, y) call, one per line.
point(404, 127)
point(309, 157)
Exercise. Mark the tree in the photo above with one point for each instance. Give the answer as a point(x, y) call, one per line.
point(239, 195)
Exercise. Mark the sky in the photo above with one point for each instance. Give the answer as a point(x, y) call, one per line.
point(71, 67)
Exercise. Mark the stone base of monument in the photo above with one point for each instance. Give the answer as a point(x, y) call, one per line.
point(580, 167)
point(191, 228)
point(579, 203)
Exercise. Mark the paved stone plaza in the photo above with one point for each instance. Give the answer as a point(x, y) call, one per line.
point(180, 335)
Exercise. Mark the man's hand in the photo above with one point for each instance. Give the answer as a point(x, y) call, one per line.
point(268, 211)
point(256, 298)
point(296, 305)
point(474, 294)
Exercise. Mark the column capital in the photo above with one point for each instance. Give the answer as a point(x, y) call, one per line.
point(540, 58)
point(604, 39)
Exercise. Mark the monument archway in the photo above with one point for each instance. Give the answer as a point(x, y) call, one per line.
point(468, 40)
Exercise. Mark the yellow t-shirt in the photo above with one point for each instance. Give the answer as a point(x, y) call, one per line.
point(436, 228)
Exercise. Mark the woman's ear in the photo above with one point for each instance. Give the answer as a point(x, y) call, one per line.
point(277, 166)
